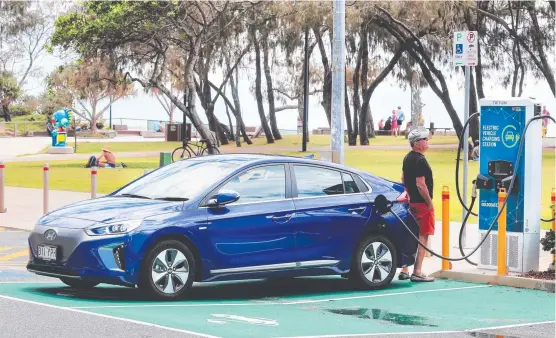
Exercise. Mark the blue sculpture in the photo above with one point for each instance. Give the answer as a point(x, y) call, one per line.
point(61, 119)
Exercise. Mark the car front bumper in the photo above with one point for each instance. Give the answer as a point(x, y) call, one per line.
point(107, 259)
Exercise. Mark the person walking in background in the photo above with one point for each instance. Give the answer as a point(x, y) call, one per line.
point(544, 121)
point(394, 124)
point(401, 118)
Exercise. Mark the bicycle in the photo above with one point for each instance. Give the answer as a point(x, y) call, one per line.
point(186, 150)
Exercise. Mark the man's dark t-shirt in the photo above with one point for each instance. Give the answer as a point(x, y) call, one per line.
point(415, 165)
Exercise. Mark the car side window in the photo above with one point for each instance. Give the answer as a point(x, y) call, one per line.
point(350, 186)
point(313, 181)
point(259, 184)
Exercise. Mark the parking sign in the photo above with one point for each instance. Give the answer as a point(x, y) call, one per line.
point(465, 48)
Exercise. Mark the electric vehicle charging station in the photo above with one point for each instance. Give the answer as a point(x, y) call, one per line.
point(502, 124)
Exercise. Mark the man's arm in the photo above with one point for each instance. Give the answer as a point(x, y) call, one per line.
point(424, 191)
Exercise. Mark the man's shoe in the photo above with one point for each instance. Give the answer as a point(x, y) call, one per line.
point(421, 278)
point(403, 276)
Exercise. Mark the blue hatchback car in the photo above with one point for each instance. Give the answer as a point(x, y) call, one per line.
point(228, 217)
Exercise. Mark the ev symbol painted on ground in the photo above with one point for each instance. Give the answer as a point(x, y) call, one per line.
point(225, 318)
point(510, 137)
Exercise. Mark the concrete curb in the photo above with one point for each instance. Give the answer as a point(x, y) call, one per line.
point(512, 281)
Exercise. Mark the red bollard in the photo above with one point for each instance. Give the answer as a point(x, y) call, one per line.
point(2, 203)
point(93, 182)
point(45, 170)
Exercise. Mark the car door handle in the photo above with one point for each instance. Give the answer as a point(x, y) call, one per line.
point(282, 218)
point(357, 209)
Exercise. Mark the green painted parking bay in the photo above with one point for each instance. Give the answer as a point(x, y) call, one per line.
point(307, 306)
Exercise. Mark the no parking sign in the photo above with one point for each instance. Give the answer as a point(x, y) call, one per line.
point(465, 48)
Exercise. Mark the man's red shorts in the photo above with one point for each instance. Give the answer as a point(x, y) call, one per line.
point(424, 217)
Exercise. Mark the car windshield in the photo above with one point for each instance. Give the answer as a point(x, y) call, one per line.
point(181, 180)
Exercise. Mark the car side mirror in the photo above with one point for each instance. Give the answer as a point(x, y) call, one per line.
point(223, 197)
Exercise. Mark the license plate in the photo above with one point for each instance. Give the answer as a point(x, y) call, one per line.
point(46, 252)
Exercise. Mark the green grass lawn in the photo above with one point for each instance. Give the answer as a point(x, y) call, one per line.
point(70, 175)
point(85, 147)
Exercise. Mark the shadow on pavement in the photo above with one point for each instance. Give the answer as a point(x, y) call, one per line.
point(266, 290)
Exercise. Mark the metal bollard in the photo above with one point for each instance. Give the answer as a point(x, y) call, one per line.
point(45, 171)
point(446, 265)
point(502, 234)
point(2, 203)
point(93, 182)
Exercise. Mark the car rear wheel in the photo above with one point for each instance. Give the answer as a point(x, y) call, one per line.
point(374, 264)
point(78, 283)
point(168, 270)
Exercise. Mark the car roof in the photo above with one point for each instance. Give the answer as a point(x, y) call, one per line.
point(248, 159)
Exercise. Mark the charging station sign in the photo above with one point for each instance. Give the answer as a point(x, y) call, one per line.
point(502, 138)
point(465, 48)
point(500, 135)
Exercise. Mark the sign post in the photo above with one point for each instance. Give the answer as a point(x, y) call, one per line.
point(465, 54)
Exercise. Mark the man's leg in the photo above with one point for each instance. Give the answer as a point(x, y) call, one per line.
point(420, 254)
point(426, 228)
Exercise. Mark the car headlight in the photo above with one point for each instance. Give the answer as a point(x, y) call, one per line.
point(113, 228)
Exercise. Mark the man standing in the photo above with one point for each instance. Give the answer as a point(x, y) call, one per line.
point(417, 177)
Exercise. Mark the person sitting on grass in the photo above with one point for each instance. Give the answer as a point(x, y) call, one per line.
point(107, 159)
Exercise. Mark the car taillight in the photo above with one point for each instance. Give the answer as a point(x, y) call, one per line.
point(403, 197)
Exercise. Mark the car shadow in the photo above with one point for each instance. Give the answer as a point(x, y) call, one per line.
point(246, 290)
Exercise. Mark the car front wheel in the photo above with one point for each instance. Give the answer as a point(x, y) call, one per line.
point(168, 270)
point(375, 261)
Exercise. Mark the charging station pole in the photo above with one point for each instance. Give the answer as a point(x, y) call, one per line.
point(465, 54)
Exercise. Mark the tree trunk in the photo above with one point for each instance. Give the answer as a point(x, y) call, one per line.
point(94, 128)
point(363, 112)
point(300, 104)
point(369, 91)
point(327, 83)
point(537, 44)
point(232, 134)
point(206, 103)
point(189, 97)
point(269, 89)
point(415, 100)
point(370, 124)
point(258, 92)
point(6, 112)
point(479, 68)
point(351, 142)
point(239, 119)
